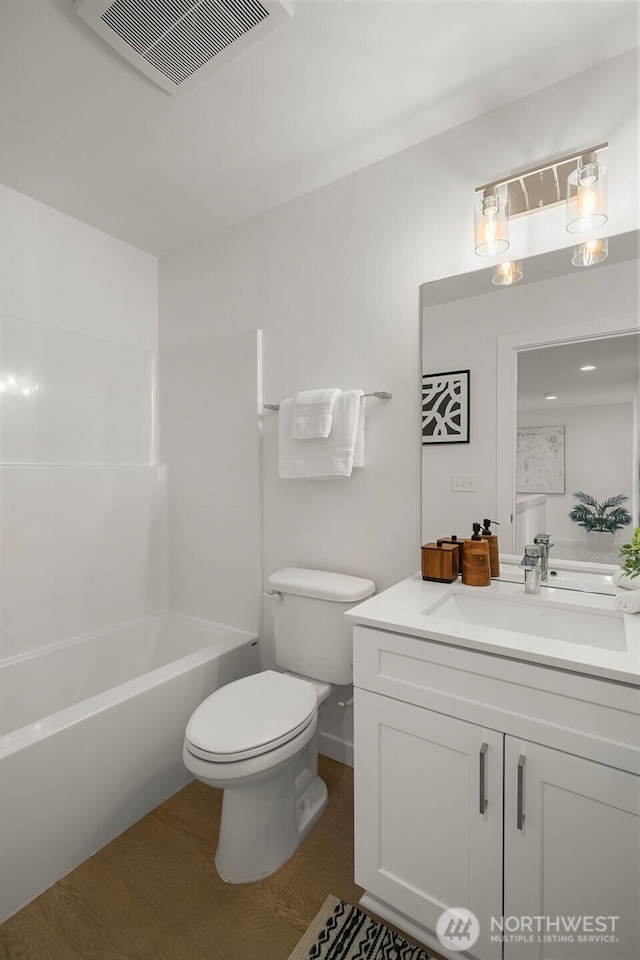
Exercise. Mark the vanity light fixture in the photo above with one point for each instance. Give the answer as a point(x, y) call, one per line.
point(590, 252)
point(579, 180)
point(491, 224)
point(587, 195)
point(506, 273)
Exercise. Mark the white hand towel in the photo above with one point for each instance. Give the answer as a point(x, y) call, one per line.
point(326, 458)
point(313, 413)
point(629, 602)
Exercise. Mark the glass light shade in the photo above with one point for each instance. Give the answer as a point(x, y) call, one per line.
point(590, 252)
point(506, 273)
point(587, 196)
point(491, 225)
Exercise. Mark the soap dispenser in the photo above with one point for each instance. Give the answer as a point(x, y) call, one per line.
point(494, 552)
point(476, 568)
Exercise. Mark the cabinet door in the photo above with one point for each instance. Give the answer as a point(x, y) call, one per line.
point(422, 843)
point(576, 854)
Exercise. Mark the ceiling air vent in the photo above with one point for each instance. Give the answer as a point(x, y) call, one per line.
point(180, 43)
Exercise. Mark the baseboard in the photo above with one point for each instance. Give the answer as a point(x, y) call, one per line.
point(336, 749)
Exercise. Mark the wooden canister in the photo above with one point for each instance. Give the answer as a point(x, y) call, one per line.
point(476, 568)
point(440, 562)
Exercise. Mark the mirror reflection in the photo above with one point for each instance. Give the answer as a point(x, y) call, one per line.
point(528, 455)
point(576, 433)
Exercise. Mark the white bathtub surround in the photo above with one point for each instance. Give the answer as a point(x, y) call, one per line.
point(93, 402)
point(92, 734)
point(61, 272)
point(83, 549)
point(82, 496)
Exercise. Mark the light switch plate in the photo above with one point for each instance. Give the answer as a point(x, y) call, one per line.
point(463, 482)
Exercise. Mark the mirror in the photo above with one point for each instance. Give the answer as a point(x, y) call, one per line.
point(575, 432)
point(522, 343)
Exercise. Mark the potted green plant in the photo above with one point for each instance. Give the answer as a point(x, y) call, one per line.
point(630, 563)
point(600, 520)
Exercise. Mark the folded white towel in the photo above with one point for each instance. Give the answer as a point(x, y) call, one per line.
point(326, 458)
point(313, 413)
point(628, 602)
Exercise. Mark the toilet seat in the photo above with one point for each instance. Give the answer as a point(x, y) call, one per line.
point(251, 716)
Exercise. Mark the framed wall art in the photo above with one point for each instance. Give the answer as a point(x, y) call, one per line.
point(446, 407)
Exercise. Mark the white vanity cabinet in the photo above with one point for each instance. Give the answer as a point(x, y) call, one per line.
point(572, 849)
point(500, 786)
point(428, 811)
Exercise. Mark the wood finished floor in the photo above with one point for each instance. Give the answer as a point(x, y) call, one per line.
point(153, 893)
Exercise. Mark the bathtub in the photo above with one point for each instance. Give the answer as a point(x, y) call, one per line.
point(91, 736)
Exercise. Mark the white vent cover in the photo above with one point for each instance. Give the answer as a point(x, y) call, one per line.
point(180, 43)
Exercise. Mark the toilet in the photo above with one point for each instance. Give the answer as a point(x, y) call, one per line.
point(256, 738)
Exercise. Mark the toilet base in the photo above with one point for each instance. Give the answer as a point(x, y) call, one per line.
point(263, 823)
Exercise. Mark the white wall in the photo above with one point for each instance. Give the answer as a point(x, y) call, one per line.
point(81, 495)
point(332, 279)
point(210, 443)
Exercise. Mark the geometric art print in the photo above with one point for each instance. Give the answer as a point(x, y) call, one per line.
point(445, 407)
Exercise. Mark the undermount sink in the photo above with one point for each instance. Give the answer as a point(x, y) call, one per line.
point(535, 617)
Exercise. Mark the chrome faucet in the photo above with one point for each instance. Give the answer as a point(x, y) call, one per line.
point(542, 540)
point(532, 563)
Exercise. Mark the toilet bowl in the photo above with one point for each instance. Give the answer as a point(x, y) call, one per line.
point(256, 738)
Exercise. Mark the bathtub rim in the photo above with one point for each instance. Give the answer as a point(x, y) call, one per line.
point(224, 638)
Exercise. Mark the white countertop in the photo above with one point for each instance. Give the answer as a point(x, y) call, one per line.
point(400, 609)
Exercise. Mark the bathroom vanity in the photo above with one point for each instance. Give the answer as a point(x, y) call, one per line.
point(497, 767)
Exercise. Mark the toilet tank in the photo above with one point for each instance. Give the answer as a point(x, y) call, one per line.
point(311, 635)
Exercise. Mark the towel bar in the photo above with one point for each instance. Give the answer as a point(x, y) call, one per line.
point(380, 394)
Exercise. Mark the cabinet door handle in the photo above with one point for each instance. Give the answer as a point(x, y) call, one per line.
point(520, 812)
point(483, 773)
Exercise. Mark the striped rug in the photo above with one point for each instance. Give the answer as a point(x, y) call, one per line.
point(342, 932)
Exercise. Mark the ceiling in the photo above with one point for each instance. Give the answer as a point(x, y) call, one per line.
point(555, 370)
point(340, 85)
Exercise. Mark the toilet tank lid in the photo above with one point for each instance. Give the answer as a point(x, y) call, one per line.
point(321, 584)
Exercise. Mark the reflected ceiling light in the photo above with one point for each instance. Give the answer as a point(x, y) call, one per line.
point(491, 224)
point(506, 273)
point(13, 385)
point(590, 252)
point(588, 366)
point(587, 195)
point(551, 396)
